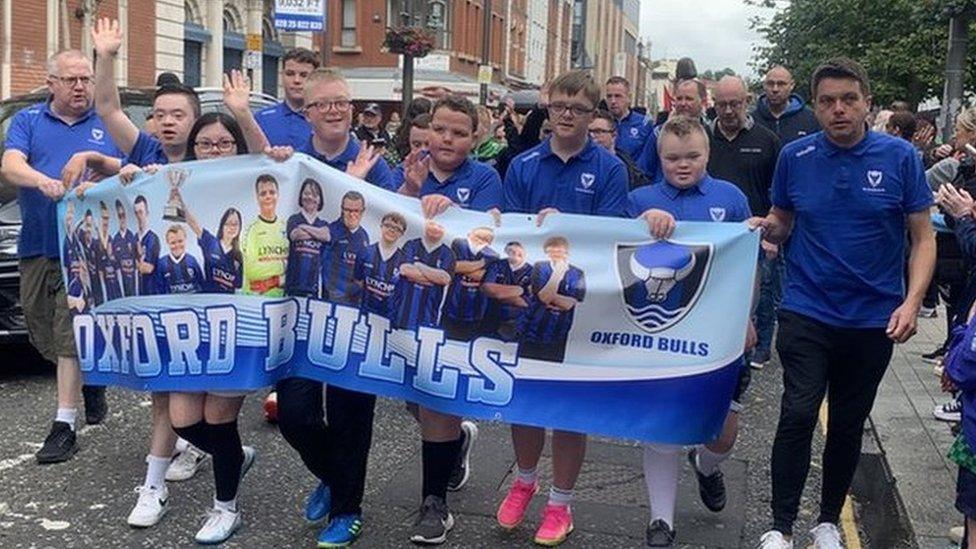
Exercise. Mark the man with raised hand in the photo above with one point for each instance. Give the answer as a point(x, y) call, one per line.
point(845, 197)
point(40, 141)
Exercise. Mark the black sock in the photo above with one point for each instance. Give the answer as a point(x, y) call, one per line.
point(228, 458)
point(438, 461)
point(197, 434)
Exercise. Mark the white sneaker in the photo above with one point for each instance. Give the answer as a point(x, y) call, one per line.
point(774, 539)
point(150, 507)
point(826, 536)
point(219, 526)
point(950, 411)
point(956, 534)
point(186, 464)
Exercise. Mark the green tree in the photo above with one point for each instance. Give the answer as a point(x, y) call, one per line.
point(901, 43)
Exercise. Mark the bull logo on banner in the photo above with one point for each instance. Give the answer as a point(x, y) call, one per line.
point(661, 280)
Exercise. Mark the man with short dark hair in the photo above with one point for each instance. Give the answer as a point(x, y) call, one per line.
point(782, 111)
point(41, 140)
point(604, 131)
point(285, 123)
point(632, 127)
point(845, 197)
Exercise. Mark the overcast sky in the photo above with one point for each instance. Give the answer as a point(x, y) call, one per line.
point(715, 33)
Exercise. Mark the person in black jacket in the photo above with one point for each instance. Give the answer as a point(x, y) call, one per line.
point(782, 111)
point(603, 130)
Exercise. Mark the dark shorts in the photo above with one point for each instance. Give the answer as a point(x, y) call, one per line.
point(553, 351)
point(45, 304)
point(966, 493)
point(462, 330)
point(745, 377)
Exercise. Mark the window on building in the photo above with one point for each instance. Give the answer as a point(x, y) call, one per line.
point(348, 36)
point(434, 15)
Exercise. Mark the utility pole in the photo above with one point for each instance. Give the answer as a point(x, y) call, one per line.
point(326, 46)
point(955, 73)
point(485, 49)
point(405, 15)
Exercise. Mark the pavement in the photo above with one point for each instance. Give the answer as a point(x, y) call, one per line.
point(84, 502)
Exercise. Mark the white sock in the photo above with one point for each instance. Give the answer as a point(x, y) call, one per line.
point(558, 496)
point(67, 415)
point(230, 506)
point(182, 445)
point(708, 461)
point(662, 463)
point(528, 476)
point(156, 471)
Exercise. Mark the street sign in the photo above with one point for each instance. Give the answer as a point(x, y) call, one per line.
point(252, 59)
point(254, 42)
point(484, 74)
point(299, 15)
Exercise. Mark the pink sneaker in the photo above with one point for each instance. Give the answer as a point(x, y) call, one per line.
point(512, 510)
point(557, 523)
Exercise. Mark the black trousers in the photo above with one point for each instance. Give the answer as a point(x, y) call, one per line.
point(845, 363)
point(334, 450)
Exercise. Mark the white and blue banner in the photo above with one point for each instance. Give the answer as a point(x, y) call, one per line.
point(232, 274)
point(299, 15)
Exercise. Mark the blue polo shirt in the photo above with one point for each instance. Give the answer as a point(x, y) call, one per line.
point(632, 132)
point(647, 159)
point(594, 182)
point(284, 126)
point(380, 175)
point(146, 150)
point(847, 251)
point(472, 186)
point(48, 143)
point(709, 200)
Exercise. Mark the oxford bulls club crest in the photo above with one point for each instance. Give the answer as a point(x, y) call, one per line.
point(661, 280)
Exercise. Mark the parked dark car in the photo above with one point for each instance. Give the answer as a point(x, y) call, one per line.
point(136, 102)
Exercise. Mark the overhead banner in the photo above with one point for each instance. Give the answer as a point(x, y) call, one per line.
point(232, 274)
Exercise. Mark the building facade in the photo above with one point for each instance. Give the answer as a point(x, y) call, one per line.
point(605, 35)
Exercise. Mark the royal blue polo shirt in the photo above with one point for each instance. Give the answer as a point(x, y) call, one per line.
point(284, 126)
point(48, 143)
point(647, 159)
point(847, 250)
point(594, 182)
point(146, 150)
point(708, 200)
point(472, 186)
point(632, 132)
point(380, 175)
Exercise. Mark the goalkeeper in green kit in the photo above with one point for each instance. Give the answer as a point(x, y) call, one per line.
point(265, 244)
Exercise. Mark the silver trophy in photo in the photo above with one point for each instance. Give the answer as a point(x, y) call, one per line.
point(173, 211)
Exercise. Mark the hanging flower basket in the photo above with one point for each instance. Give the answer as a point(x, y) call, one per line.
point(413, 41)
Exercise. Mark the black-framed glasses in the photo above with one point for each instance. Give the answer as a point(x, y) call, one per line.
point(559, 109)
point(224, 145)
point(72, 81)
point(340, 105)
point(393, 227)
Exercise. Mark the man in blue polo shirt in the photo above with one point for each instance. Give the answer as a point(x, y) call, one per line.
point(285, 123)
point(689, 100)
point(632, 126)
point(40, 140)
point(328, 107)
point(568, 173)
point(688, 193)
point(845, 197)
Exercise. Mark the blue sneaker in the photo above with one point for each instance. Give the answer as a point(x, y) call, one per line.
point(318, 504)
point(342, 531)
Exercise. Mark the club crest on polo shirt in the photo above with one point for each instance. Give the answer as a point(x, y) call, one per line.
point(586, 182)
point(97, 136)
point(718, 214)
point(661, 280)
point(874, 180)
point(463, 194)
point(634, 132)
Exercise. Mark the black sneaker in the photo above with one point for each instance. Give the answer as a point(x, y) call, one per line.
point(96, 408)
point(935, 357)
point(59, 445)
point(711, 488)
point(433, 523)
point(462, 469)
point(660, 534)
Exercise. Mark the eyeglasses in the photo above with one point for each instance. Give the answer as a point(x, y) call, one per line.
point(600, 131)
point(340, 105)
point(224, 145)
point(352, 210)
point(734, 105)
point(72, 81)
point(393, 227)
point(559, 109)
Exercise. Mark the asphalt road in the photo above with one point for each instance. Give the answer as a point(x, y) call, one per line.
point(84, 502)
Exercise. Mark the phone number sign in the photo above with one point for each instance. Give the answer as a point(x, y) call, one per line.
point(299, 15)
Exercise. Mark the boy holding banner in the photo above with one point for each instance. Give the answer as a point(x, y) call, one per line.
point(569, 173)
point(689, 194)
point(448, 177)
